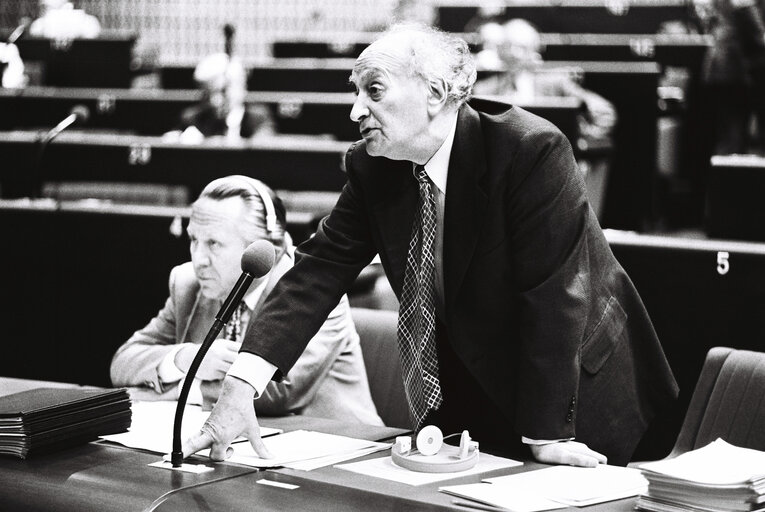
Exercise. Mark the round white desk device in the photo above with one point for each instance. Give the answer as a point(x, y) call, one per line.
point(432, 455)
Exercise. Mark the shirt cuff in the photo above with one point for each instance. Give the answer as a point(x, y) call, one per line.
point(254, 370)
point(527, 440)
point(167, 371)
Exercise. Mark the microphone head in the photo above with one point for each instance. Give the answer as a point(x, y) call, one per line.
point(81, 112)
point(258, 258)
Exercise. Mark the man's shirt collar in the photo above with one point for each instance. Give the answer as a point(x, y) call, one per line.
point(438, 165)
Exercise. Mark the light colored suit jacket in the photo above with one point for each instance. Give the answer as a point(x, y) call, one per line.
point(329, 379)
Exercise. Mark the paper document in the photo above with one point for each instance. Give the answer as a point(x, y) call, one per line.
point(304, 449)
point(577, 486)
point(718, 463)
point(383, 467)
point(152, 426)
point(504, 498)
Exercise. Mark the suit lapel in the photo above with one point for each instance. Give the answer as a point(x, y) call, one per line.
point(395, 211)
point(200, 320)
point(466, 201)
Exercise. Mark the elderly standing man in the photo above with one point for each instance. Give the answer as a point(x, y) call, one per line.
point(328, 380)
point(516, 321)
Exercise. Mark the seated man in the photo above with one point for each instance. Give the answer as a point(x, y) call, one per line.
point(525, 80)
point(60, 20)
point(329, 380)
point(222, 111)
point(11, 66)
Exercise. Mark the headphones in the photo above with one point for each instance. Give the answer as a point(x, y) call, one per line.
point(431, 455)
point(262, 191)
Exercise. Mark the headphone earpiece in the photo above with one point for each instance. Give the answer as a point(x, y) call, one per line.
point(429, 440)
point(432, 456)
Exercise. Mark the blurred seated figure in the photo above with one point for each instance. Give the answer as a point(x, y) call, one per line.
point(222, 111)
point(734, 73)
point(328, 380)
point(11, 66)
point(491, 35)
point(525, 79)
point(60, 20)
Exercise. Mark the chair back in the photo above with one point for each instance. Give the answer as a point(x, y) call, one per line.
point(728, 402)
point(377, 331)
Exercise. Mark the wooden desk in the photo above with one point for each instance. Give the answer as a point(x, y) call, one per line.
point(155, 112)
point(282, 162)
point(734, 206)
point(593, 16)
point(103, 477)
point(100, 62)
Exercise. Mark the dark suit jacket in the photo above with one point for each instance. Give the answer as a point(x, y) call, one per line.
point(537, 308)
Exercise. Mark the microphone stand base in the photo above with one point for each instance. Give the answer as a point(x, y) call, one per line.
point(185, 467)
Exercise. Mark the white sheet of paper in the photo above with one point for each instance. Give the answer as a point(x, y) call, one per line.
point(718, 463)
point(576, 486)
point(152, 426)
point(383, 467)
point(329, 460)
point(502, 497)
point(301, 446)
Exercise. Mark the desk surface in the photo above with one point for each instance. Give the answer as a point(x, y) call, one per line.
point(99, 476)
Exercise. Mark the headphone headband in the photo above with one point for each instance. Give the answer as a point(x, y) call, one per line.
point(262, 191)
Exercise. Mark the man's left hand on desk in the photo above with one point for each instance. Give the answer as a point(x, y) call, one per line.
point(572, 453)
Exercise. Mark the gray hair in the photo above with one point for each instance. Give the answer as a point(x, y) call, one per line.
point(248, 189)
point(434, 55)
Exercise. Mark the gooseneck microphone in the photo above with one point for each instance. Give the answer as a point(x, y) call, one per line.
point(78, 114)
point(257, 261)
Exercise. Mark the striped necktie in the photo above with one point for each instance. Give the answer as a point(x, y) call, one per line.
point(417, 321)
point(234, 329)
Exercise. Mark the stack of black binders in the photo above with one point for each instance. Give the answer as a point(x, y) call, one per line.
point(47, 419)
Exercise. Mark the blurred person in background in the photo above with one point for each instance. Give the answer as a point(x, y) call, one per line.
point(11, 66)
point(222, 110)
point(525, 79)
point(734, 72)
point(60, 20)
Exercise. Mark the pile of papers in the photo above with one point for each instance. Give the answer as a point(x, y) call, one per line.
point(152, 426)
point(152, 430)
point(553, 488)
point(305, 450)
point(719, 477)
point(50, 418)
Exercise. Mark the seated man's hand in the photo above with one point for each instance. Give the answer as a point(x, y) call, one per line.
point(231, 417)
point(567, 452)
point(216, 363)
point(210, 393)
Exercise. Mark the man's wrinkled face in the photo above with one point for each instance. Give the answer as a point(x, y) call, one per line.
point(217, 244)
point(391, 105)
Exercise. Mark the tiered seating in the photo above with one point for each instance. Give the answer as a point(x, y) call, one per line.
point(101, 62)
point(282, 163)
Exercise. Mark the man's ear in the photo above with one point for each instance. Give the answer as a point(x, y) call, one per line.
point(438, 92)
